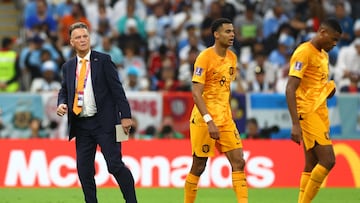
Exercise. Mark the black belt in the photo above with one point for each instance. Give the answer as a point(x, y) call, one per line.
point(84, 118)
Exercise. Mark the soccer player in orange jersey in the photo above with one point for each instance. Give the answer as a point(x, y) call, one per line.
point(307, 89)
point(211, 123)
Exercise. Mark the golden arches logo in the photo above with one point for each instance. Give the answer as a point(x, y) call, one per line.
point(352, 158)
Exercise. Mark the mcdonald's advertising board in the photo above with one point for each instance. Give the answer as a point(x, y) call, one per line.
point(165, 163)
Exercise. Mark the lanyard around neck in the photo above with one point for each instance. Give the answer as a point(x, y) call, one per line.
point(86, 74)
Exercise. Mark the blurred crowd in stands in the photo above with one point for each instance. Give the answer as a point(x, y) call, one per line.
point(154, 43)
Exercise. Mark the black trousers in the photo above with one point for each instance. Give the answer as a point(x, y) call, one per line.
point(89, 134)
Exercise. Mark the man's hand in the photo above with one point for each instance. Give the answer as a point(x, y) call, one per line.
point(126, 123)
point(213, 130)
point(296, 134)
point(61, 109)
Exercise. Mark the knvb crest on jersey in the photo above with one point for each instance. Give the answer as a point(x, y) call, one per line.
point(206, 148)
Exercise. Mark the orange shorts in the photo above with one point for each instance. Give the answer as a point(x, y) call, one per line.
point(315, 128)
point(203, 145)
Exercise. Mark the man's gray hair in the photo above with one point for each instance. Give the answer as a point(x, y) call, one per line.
point(76, 26)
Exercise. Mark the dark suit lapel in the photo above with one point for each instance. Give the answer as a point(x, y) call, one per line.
point(94, 63)
point(71, 78)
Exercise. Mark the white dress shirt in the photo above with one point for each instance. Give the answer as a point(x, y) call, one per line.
point(89, 107)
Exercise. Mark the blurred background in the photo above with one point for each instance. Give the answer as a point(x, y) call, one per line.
point(154, 44)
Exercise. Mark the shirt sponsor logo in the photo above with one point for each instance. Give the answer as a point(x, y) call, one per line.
point(198, 71)
point(298, 65)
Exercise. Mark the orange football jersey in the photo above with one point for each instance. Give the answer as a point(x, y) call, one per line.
point(311, 65)
point(216, 73)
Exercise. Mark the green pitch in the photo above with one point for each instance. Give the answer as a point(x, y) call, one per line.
point(174, 195)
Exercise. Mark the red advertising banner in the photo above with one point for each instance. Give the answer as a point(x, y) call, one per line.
point(165, 163)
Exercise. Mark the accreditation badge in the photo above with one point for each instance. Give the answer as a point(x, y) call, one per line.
point(80, 99)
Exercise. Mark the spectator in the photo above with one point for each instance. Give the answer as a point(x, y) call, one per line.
point(131, 19)
point(121, 9)
point(104, 30)
point(272, 42)
point(191, 30)
point(248, 26)
point(56, 50)
point(280, 84)
point(273, 20)
point(41, 21)
point(214, 12)
point(156, 58)
point(36, 129)
point(29, 61)
point(184, 19)
point(194, 42)
point(63, 8)
point(265, 7)
point(355, 7)
point(107, 46)
point(45, 55)
point(29, 9)
point(47, 82)
point(348, 63)
point(346, 23)
point(329, 6)
point(169, 39)
point(96, 11)
point(23, 125)
point(155, 24)
point(247, 55)
point(149, 133)
point(30, 57)
point(260, 60)
point(260, 84)
point(133, 82)
point(9, 67)
point(168, 77)
point(298, 21)
point(356, 28)
point(317, 14)
point(167, 130)
point(227, 9)
point(132, 38)
point(252, 130)
point(279, 56)
point(77, 15)
point(186, 70)
point(132, 58)
point(103, 25)
point(353, 87)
